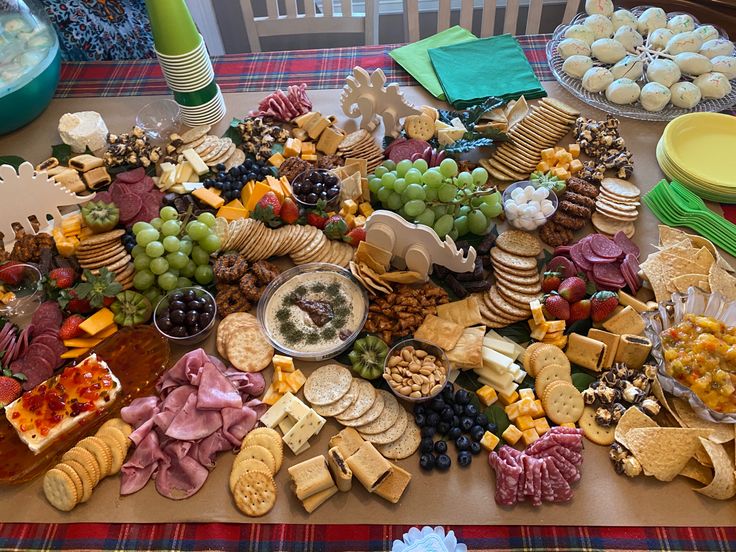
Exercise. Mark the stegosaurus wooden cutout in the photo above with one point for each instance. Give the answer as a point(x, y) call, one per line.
point(365, 95)
point(29, 193)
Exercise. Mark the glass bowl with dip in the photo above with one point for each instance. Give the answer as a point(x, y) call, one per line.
point(313, 311)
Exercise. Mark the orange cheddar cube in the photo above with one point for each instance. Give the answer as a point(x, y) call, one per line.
point(512, 411)
point(207, 196)
point(541, 426)
point(512, 435)
point(529, 436)
point(574, 150)
point(524, 422)
point(508, 399)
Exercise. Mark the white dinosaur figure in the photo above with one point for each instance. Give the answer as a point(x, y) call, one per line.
point(30, 193)
point(366, 95)
point(418, 245)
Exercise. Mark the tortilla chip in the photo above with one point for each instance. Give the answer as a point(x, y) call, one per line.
point(443, 333)
point(633, 418)
point(350, 187)
point(497, 115)
point(468, 351)
point(374, 277)
point(669, 235)
point(697, 471)
point(362, 165)
point(378, 255)
point(516, 111)
point(704, 259)
point(723, 485)
point(662, 398)
point(683, 282)
point(465, 312)
point(402, 277)
point(722, 282)
point(664, 451)
point(722, 433)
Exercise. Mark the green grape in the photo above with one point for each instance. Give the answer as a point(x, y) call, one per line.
point(491, 211)
point(413, 176)
point(414, 207)
point(159, 265)
point(389, 164)
point(492, 199)
point(464, 179)
point(443, 225)
point(155, 249)
point(140, 225)
point(446, 193)
point(461, 225)
point(168, 213)
point(207, 218)
point(141, 262)
point(448, 167)
point(421, 164)
point(188, 269)
point(439, 210)
point(171, 244)
point(177, 260)
point(394, 201)
point(210, 243)
point(476, 202)
point(380, 171)
point(453, 234)
point(137, 250)
point(143, 280)
point(463, 210)
point(374, 184)
point(402, 167)
point(431, 195)
point(197, 230)
point(200, 256)
point(480, 176)
point(153, 295)
point(204, 274)
point(183, 282)
point(402, 212)
point(146, 236)
point(415, 191)
point(477, 222)
point(388, 180)
point(400, 185)
point(174, 272)
point(185, 245)
point(170, 228)
point(157, 223)
point(383, 194)
point(167, 281)
point(432, 178)
point(426, 218)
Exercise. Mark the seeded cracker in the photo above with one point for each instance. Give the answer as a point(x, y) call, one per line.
point(341, 405)
point(372, 414)
point(391, 411)
point(404, 446)
point(390, 434)
point(363, 402)
point(327, 384)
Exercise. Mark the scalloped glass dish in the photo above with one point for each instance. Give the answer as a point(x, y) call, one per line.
point(635, 110)
point(695, 301)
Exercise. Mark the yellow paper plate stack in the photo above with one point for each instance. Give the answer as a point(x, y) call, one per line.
point(699, 151)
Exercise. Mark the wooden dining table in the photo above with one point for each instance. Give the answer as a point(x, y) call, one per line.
point(609, 512)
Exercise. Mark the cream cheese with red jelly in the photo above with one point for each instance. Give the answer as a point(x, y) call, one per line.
point(61, 403)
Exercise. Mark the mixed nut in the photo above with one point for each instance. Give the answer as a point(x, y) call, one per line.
point(415, 373)
point(603, 143)
point(131, 148)
point(259, 137)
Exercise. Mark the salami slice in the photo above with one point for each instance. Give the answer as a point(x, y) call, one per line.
point(104, 196)
point(48, 315)
point(117, 191)
point(632, 279)
point(568, 470)
point(608, 274)
point(626, 244)
point(560, 487)
point(529, 462)
point(562, 265)
point(54, 343)
point(392, 145)
point(131, 176)
point(144, 185)
point(563, 250)
point(591, 257)
point(32, 373)
point(406, 149)
point(603, 247)
point(129, 205)
point(507, 479)
point(576, 252)
point(548, 492)
point(537, 486)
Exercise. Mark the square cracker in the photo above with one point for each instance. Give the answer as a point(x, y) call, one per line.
point(468, 351)
point(464, 312)
point(443, 333)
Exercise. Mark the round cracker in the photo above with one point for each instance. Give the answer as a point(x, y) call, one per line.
point(86, 459)
point(372, 414)
point(74, 476)
point(404, 446)
point(249, 464)
point(195, 133)
point(259, 453)
point(60, 490)
point(506, 308)
point(562, 402)
point(391, 409)
point(340, 405)
point(548, 374)
point(365, 399)
point(609, 226)
point(118, 443)
point(271, 441)
point(513, 262)
point(390, 434)
point(255, 493)
point(593, 431)
point(248, 350)
point(235, 160)
point(85, 477)
point(620, 187)
point(327, 384)
point(101, 451)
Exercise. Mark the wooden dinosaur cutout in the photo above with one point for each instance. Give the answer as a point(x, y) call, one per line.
point(366, 95)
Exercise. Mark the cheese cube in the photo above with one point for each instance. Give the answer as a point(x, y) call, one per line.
point(541, 426)
point(365, 209)
point(489, 441)
point(539, 409)
point(199, 166)
point(543, 166)
point(293, 147)
point(303, 120)
point(359, 221)
point(529, 436)
point(309, 156)
point(329, 140)
point(259, 190)
point(210, 198)
point(512, 411)
point(286, 424)
point(574, 150)
point(524, 422)
point(508, 399)
point(526, 406)
point(526, 393)
point(511, 435)
point(297, 409)
point(628, 321)
point(538, 331)
point(548, 154)
point(271, 396)
point(310, 148)
point(295, 380)
point(487, 395)
point(576, 166)
point(316, 126)
point(349, 220)
point(283, 363)
point(276, 159)
point(349, 207)
point(554, 326)
point(537, 313)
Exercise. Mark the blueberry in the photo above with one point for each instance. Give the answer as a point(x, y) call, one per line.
point(481, 420)
point(464, 458)
point(447, 414)
point(242, 169)
point(466, 424)
point(462, 443)
point(477, 432)
point(252, 176)
point(428, 431)
point(447, 393)
point(248, 163)
point(433, 419)
point(462, 396)
point(443, 462)
point(440, 447)
point(454, 433)
point(458, 409)
point(426, 461)
point(427, 444)
point(234, 171)
point(475, 447)
point(420, 420)
point(208, 182)
point(220, 167)
point(471, 410)
point(419, 409)
point(491, 427)
point(443, 428)
point(437, 404)
point(455, 421)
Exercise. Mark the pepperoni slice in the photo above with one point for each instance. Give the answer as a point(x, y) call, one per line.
point(129, 205)
point(603, 247)
point(406, 149)
point(626, 244)
point(563, 265)
point(131, 176)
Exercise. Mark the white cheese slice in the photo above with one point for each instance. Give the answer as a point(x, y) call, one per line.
point(519, 377)
point(191, 186)
point(500, 346)
point(195, 160)
point(303, 430)
point(276, 414)
point(286, 424)
point(495, 360)
point(457, 123)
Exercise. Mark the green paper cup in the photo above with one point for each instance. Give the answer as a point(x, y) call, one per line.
point(174, 31)
point(192, 82)
point(198, 97)
point(197, 53)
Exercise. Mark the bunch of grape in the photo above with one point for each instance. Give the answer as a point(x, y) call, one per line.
point(451, 203)
point(167, 257)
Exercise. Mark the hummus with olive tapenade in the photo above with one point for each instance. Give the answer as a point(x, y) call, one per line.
point(314, 312)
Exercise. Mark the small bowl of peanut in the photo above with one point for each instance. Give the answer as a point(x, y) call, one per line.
point(416, 370)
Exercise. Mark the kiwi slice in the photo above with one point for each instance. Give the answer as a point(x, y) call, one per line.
point(100, 216)
point(368, 356)
point(131, 308)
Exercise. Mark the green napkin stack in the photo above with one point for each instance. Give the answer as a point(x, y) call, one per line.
point(472, 71)
point(414, 57)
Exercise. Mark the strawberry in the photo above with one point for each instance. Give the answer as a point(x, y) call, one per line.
point(289, 211)
point(551, 281)
point(355, 236)
point(95, 289)
point(580, 310)
point(317, 216)
point(11, 273)
point(557, 306)
point(335, 227)
point(10, 389)
point(267, 210)
point(71, 302)
point(602, 305)
point(107, 301)
point(70, 327)
point(62, 278)
point(572, 289)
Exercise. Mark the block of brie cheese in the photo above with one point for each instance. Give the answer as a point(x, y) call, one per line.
point(84, 129)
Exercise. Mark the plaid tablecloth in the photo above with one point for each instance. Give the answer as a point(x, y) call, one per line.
point(319, 69)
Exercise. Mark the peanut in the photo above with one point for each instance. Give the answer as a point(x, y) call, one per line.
point(415, 373)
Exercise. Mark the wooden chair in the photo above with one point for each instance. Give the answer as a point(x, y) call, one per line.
point(488, 17)
point(311, 21)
